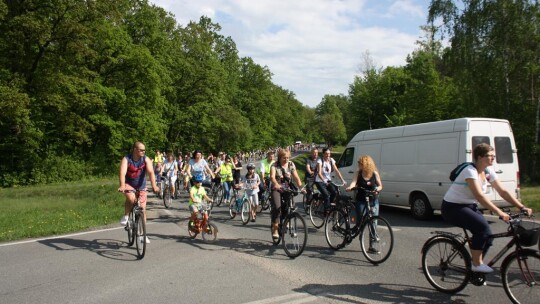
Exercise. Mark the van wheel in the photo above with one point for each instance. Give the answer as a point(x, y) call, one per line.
point(420, 207)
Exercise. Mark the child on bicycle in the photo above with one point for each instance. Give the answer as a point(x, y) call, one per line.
point(196, 195)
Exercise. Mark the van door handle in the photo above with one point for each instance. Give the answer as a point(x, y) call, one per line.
point(351, 171)
point(498, 171)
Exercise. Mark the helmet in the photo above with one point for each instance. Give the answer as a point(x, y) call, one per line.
point(251, 166)
point(197, 179)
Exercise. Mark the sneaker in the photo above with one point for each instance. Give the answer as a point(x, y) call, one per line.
point(373, 250)
point(147, 241)
point(124, 220)
point(482, 268)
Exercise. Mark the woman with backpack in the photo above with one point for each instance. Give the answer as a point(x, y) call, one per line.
point(282, 174)
point(460, 203)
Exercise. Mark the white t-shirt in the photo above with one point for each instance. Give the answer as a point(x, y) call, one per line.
point(197, 168)
point(326, 169)
point(459, 192)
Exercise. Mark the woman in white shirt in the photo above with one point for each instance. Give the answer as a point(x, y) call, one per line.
point(460, 203)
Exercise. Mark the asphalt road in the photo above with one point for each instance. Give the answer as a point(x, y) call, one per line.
point(241, 267)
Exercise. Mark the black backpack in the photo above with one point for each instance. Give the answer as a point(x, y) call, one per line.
point(457, 170)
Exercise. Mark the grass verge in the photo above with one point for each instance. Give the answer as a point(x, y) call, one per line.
point(44, 210)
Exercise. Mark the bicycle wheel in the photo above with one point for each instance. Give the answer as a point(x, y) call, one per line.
point(259, 208)
point(232, 209)
point(167, 197)
point(335, 229)
point(316, 213)
point(294, 235)
point(376, 239)
point(245, 212)
point(191, 231)
point(140, 237)
point(306, 202)
point(211, 232)
point(446, 265)
point(161, 188)
point(265, 201)
point(130, 228)
point(219, 196)
point(521, 276)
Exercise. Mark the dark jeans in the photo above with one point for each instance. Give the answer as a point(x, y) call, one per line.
point(328, 192)
point(469, 217)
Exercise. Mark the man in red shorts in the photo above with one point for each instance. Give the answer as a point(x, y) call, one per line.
point(133, 170)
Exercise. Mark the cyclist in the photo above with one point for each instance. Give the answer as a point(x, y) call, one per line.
point(158, 162)
point(311, 171)
point(226, 171)
point(264, 172)
point(325, 167)
point(198, 167)
point(170, 170)
point(132, 176)
point(367, 177)
point(460, 203)
point(196, 195)
point(252, 181)
point(237, 168)
point(282, 174)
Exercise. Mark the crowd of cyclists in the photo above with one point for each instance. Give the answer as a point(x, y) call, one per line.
point(187, 172)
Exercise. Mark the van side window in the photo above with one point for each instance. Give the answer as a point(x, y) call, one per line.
point(346, 158)
point(503, 150)
point(476, 140)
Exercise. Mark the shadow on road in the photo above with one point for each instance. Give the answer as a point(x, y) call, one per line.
point(111, 249)
point(388, 293)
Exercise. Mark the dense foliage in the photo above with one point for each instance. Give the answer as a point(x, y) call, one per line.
point(81, 80)
point(490, 68)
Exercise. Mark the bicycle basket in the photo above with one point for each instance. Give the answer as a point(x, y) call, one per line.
point(528, 233)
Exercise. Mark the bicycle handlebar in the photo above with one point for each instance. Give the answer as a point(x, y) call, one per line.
point(337, 185)
point(368, 191)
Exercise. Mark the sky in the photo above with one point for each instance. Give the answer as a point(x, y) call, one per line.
point(313, 47)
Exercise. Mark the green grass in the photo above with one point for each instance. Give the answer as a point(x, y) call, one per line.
point(530, 196)
point(28, 212)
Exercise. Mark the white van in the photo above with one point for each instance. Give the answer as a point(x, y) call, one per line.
point(415, 160)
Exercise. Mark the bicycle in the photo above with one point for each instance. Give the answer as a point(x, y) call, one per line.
point(241, 205)
point(292, 226)
point(446, 262)
point(180, 176)
point(167, 191)
point(311, 190)
point(264, 201)
point(162, 185)
point(376, 235)
point(216, 191)
point(317, 210)
point(202, 224)
point(136, 227)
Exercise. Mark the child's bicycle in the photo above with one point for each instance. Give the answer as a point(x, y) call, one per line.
point(446, 262)
point(136, 227)
point(240, 205)
point(202, 224)
point(292, 226)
